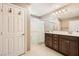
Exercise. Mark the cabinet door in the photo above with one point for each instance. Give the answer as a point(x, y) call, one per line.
point(48, 40)
point(64, 45)
point(55, 42)
point(68, 45)
point(74, 47)
point(1, 29)
point(55, 45)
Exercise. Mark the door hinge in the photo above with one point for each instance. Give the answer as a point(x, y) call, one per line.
point(1, 10)
point(22, 34)
point(1, 33)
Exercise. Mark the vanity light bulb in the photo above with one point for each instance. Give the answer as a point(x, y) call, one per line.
point(59, 11)
point(63, 10)
point(53, 14)
point(56, 12)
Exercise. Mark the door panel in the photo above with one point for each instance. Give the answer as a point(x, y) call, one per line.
point(5, 30)
point(21, 45)
point(21, 30)
point(16, 46)
point(11, 30)
point(11, 44)
point(4, 46)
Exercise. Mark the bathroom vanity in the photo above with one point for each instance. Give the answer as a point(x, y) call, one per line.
point(63, 42)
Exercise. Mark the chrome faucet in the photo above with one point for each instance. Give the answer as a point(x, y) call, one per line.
point(77, 30)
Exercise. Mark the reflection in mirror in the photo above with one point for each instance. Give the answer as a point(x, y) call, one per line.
point(49, 26)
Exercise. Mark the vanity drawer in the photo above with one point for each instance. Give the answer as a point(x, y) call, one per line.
point(55, 39)
point(55, 46)
point(48, 35)
point(55, 36)
point(55, 42)
point(48, 40)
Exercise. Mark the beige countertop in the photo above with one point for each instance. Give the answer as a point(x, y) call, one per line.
point(65, 33)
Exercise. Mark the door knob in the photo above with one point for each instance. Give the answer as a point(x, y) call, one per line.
point(22, 34)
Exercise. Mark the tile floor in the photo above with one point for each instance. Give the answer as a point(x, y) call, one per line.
point(41, 50)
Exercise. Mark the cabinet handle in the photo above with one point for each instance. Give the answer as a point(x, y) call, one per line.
point(67, 41)
point(55, 42)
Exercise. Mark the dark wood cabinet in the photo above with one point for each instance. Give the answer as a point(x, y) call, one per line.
point(67, 45)
point(74, 47)
point(55, 42)
point(48, 40)
point(64, 45)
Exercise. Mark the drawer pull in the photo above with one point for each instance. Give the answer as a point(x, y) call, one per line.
point(67, 41)
point(55, 42)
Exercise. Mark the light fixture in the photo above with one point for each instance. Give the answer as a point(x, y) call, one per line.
point(53, 13)
point(56, 12)
point(60, 11)
point(63, 10)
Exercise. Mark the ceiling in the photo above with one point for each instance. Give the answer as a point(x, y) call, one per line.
point(51, 10)
point(40, 9)
point(71, 11)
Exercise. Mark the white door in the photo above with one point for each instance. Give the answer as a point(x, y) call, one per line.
point(0, 29)
point(13, 28)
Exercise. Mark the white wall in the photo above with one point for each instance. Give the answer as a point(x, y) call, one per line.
point(37, 30)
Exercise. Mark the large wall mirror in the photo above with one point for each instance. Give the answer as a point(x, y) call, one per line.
point(70, 25)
